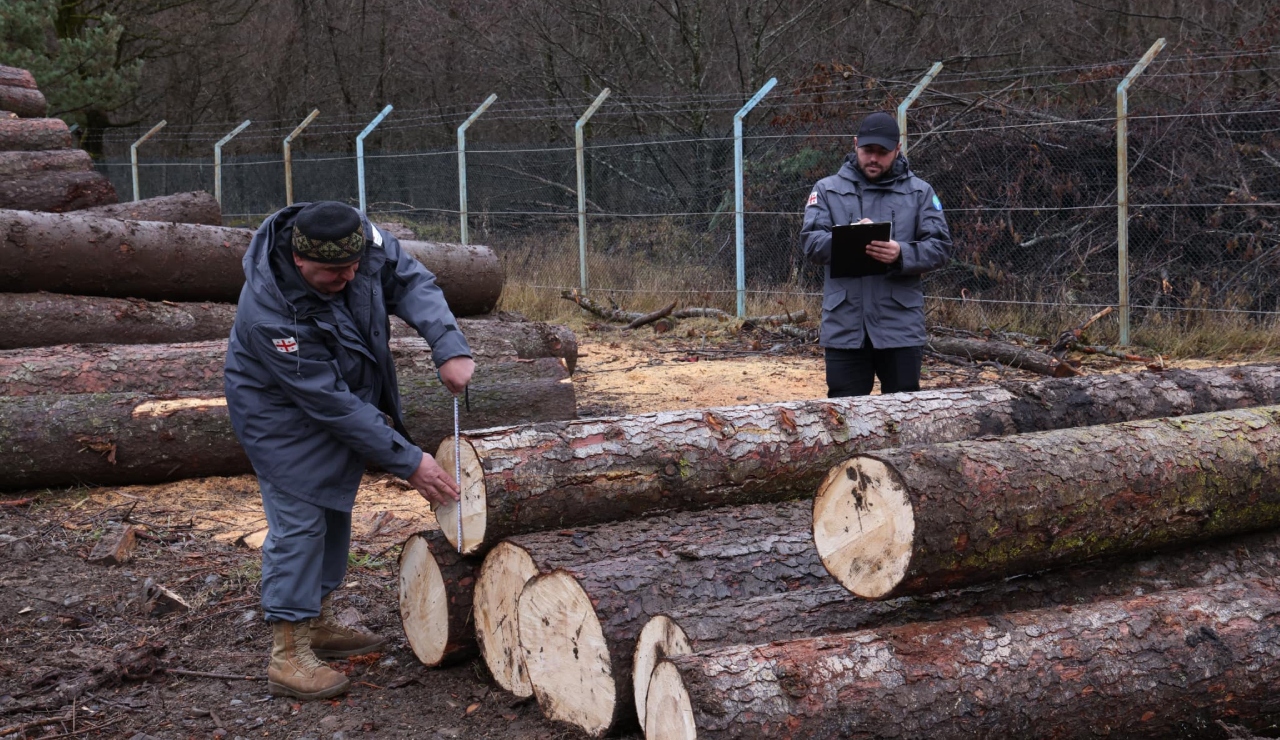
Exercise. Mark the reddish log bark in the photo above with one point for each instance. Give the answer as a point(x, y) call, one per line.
point(56, 191)
point(1007, 354)
point(134, 438)
point(1157, 666)
point(921, 519)
point(436, 585)
point(596, 470)
point(34, 134)
point(17, 77)
point(825, 610)
point(197, 207)
point(197, 366)
point(608, 580)
point(41, 319)
point(87, 255)
point(25, 101)
point(27, 164)
point(530, 339)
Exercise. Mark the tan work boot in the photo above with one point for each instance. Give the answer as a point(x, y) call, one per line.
point(333, 639)
point(295, 670)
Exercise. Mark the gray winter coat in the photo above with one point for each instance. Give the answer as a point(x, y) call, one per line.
point(888, 308)
point(310, 382)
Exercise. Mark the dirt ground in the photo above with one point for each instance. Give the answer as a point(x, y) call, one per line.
point(80, 655)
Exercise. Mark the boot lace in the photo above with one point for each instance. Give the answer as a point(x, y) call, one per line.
point(302, 648)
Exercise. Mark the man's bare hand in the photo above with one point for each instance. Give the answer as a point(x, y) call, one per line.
point(433, 482)
point(456, 373)
point(885, 252)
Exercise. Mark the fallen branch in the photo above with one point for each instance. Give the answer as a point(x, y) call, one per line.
point(1007, 354)
point(22, 728)
point(206, 674)
point(17, 502)
point(608, 314)
point(1070, 336)
point(649, 318)
point(1097, 349)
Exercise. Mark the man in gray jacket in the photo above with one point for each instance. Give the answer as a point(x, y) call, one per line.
point(873, 326)
point(311, 388)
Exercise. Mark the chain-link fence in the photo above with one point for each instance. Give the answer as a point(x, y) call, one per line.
point(1024, 162)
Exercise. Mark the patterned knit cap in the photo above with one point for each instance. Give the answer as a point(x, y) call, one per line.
point(329, 231)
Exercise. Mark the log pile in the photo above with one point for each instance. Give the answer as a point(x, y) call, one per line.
point(586, 600)
point(40, 170)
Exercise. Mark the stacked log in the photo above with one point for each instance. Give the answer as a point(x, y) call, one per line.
point(827, 610)
point(596, 470)
point(922, 519)
point(90, 255)
point(197, 207)
point(19, 94)
point(34, 134)
point(1160, 665)
point(436, 585)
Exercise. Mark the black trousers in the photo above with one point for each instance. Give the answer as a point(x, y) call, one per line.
point(851, 372)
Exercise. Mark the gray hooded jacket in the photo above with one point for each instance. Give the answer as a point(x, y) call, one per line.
point(310, 382)
point(887, 308)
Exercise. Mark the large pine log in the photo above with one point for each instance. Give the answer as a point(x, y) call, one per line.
point(90, 255)
point(825, 610)
point(198, 207)
point(197, 366)
point(56, 191)
point(26, 102)
point(436, 586)
point(579, 620)
point(921, 519)
point(597, 470)
point(17, 77)
point(1163, 665)
point(1008, 354)
point(26, 164)
point(34, 134)
point(44, 319)
point(135, 438)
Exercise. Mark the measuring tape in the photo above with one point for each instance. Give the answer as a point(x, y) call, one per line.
point(457, 468)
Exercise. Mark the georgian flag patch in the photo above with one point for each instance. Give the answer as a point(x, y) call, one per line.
point(286, 344)
point(813, 199)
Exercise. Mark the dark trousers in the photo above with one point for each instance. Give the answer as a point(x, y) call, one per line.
point(304, 556)
point(851, 372)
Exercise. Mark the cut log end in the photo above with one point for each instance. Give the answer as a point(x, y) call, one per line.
point(424, 602)
point(661, 637)
point(565, 653)
point(506, 570)
point(473, 497)
point(668, 709)
point(863, 526)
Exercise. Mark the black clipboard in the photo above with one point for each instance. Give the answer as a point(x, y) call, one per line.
point(849, 256)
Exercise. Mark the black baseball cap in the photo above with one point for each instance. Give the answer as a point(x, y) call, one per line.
point(879, 128)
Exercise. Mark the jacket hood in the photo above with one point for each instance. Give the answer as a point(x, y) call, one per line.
point(900, 170)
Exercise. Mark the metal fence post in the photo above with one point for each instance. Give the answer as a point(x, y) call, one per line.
point(462, 163)
point(288, 156)
point(133, 155)
point(1122, 182)
point(360, 151)
point(738, 197)
point(580, 147)
point(217, 160)
point(905, 104)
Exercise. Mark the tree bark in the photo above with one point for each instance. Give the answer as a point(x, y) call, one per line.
point(138, 438)
point(34, 134)
point(17, 77)
point(43, 319)
point(28, 164)
point(596, 470)
point(197, 366)
point(197, 207)
point(26, 102)
point(1163, 665)
point(529, 339)
point(436, 586)
point(88, 255)
point(579, 620)
point(826, 610)
point(1007, 354)
point(57, 191)
point(922, 519)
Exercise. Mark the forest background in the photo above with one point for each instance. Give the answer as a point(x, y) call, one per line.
point(1017, 134)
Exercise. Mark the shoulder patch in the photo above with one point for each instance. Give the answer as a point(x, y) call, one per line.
point(813, 199)
point(285, 344)
point(937, 204)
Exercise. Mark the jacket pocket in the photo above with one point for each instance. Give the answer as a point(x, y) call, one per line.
point(831, 300)
point(907, 296)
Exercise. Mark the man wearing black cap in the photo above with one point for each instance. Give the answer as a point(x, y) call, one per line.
point(311, 388)
point(873, 325)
